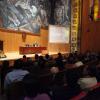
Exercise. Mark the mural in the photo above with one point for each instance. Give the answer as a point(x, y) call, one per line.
point(60, 12)
point(30, 15)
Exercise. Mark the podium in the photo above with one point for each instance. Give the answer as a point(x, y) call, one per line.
point(31, 50)
point(1, 45)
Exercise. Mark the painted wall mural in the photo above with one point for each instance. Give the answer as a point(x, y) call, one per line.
point(30, 15)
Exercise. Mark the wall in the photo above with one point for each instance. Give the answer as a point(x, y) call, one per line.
point(59, 47)
point(12, 40)
point(90, 34)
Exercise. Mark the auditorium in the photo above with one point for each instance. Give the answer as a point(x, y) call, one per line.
point(54, 43)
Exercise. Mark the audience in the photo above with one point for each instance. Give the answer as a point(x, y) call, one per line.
point(75, 77)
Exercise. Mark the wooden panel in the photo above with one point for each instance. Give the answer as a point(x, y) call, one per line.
point(90, 35)
point(12, 41)
point(55, 47)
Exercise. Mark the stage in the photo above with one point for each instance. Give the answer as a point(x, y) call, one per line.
point(11, 56)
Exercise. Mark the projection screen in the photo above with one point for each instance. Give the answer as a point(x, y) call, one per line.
point(58, 34)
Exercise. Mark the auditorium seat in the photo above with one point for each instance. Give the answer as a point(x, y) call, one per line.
point(93, 95)
point(80, 96)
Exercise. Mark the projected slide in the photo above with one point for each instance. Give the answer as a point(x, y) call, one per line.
point(59, 34)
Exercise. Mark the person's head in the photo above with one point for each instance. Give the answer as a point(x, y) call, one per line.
point(31, 85)
point(54, 70)
point(41, 58)
point(6, 64)
point(47, 56)
point(60, 55)
point(17, 64)
point(24, 59)
point(24, 56)
point(36, 56)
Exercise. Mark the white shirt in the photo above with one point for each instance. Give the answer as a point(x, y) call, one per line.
point(79, 63)
point(14, 76)
point(87, 82)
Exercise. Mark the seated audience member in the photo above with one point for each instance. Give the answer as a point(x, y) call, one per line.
point(54, 71)
point(57, 77)
point(36, 60)
point(24, 59)
point(41, 62)
point(59, 61)
point(36, 57)
point(16, 74)
point(32, 89)
point(87, 57)
point(24, 62)
point(71, 59)
point(47, 57)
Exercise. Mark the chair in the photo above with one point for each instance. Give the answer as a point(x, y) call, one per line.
point(80, 96)
point(93, 94)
